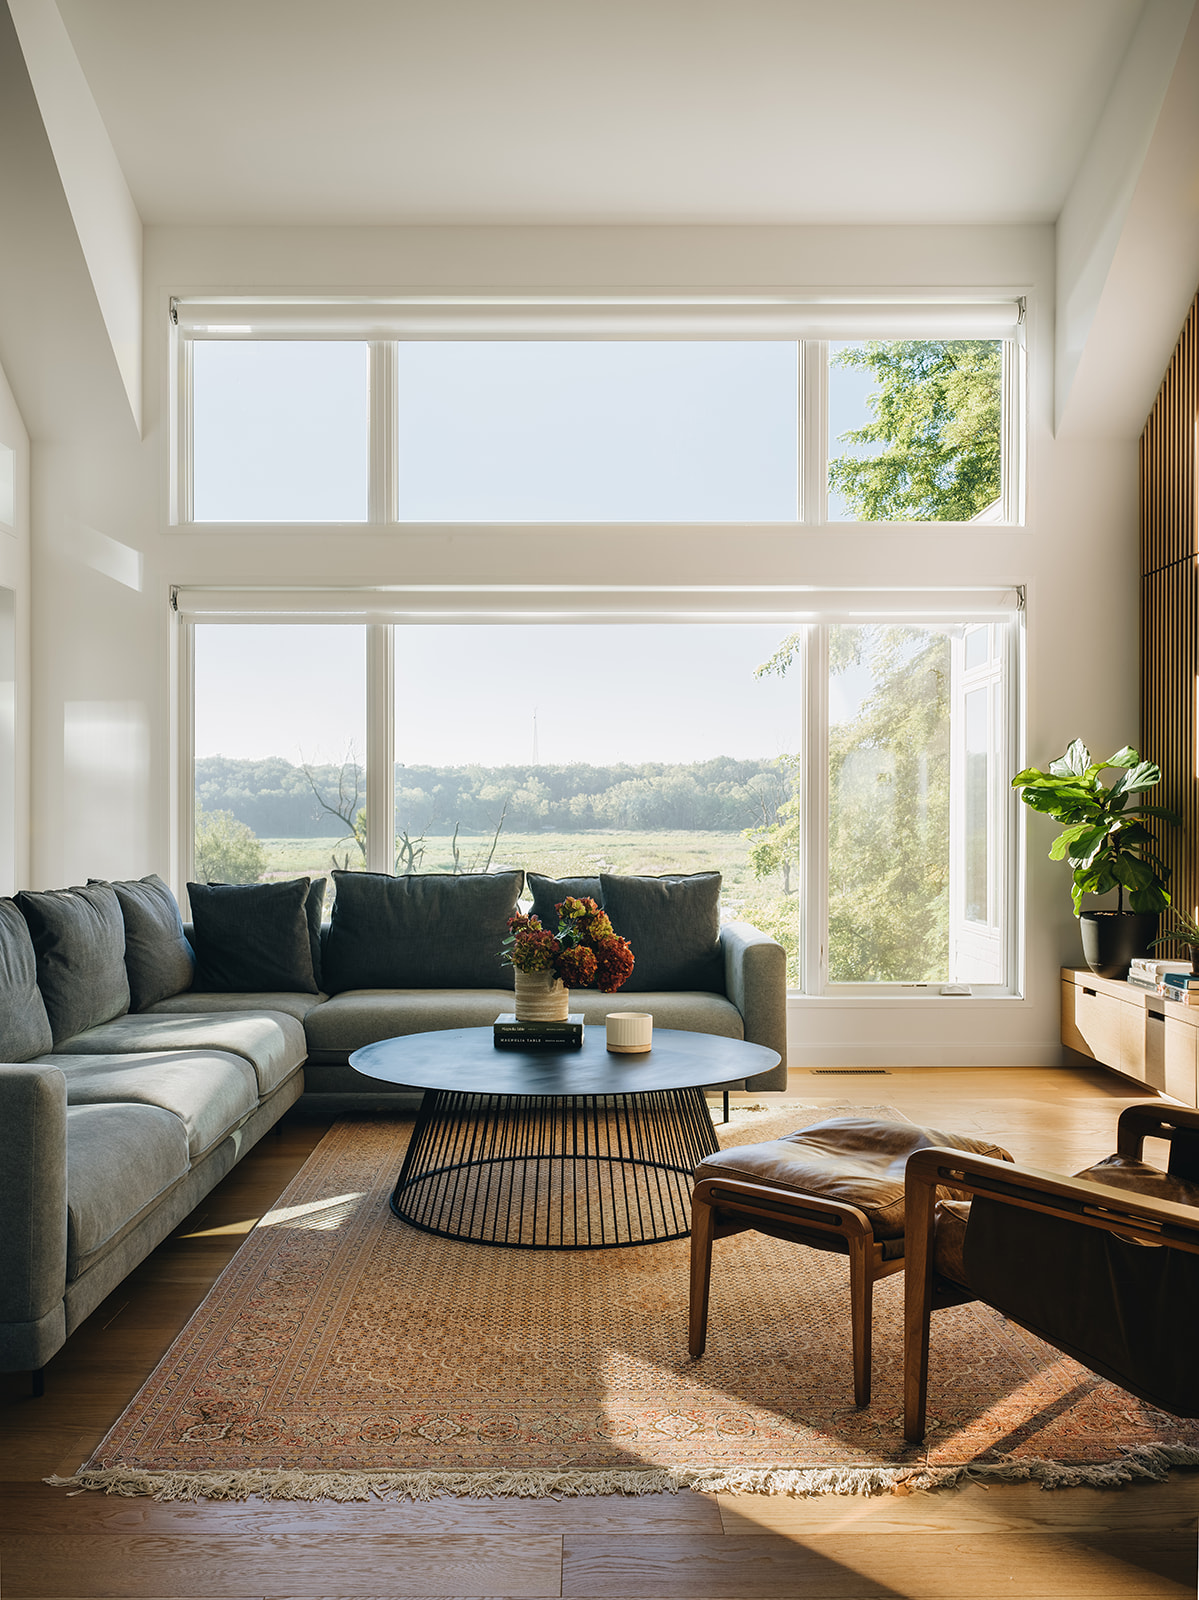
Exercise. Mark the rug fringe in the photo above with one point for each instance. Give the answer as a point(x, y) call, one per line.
point(1146, 1463)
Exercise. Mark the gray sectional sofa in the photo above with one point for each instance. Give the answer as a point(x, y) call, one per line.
point(140, 1057)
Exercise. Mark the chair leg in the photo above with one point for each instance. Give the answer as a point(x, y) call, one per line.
point(861, 1296)
point(702, 1224)
point(919, 1205)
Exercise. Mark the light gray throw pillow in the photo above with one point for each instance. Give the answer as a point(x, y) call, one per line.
point(24, 1026)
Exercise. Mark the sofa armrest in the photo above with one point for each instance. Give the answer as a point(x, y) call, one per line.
point(755, 980)
point(33, 1202)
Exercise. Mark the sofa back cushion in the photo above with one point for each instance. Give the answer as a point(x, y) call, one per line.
point(550, 892)
point(251, 937)
point(423, 931)
point(159, 961)
point(24, 1025)
point(79, 941)
point(673, 925)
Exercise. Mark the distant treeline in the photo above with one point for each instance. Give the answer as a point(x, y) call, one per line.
point(280, 801)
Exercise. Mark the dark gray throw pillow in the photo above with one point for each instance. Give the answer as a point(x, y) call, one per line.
point(422, 931)
point(79, 940)
point(159, 962)
point(673, 925)
point(24, 1025)
point(548, 892)
point(251, 937)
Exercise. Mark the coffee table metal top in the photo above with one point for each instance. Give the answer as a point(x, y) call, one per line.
point(467, 1061)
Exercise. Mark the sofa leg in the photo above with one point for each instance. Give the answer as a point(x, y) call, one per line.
point(37, 1383)
point(726, 1105)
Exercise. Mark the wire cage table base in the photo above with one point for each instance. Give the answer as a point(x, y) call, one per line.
point(554, 1172)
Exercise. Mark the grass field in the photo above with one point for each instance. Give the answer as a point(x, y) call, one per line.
point(562, 855)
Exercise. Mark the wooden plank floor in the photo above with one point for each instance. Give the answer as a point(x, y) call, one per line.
point(1015, 1540)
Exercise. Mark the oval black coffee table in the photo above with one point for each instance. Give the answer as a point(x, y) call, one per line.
point(556, 1150)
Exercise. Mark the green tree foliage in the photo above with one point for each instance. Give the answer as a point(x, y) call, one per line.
point(888, 856)
point(776, 843)
point(889, 814)
point(226, 850)
point(936, 431)
point(279, 801)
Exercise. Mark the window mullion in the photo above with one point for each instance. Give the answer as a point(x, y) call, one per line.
point(814, 911)
point(383, 481)
point(814, 430)
point(380, 748)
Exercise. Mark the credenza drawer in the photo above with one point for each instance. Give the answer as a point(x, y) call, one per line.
point(1108, 1030)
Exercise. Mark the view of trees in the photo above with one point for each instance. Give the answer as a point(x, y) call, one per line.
point(276, 799)
point(227, 851)
point(936, 417)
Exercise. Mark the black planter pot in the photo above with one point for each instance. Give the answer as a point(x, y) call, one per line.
point(1110, 939)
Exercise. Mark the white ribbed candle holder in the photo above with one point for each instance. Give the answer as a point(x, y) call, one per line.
point(630, 1033)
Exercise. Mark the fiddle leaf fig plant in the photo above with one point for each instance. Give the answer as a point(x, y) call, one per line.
point(1104, 838)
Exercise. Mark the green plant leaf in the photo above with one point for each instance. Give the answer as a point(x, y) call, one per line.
point(1074, 763)
point(1153, 898)
point(1072, 836)
point(1133, 874)
point(1144, 775)
point(1123, 758)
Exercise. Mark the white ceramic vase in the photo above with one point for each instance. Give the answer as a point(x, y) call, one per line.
point(541, 997)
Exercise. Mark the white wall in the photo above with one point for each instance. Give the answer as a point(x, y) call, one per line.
point(14, 649)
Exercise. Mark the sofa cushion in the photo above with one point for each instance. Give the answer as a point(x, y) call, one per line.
point(24, 1025)
point(274, 1045)
point(549, 892)
point(673, 925)
point(422, 931)
point(210, 1093)
point(361, 1016)
point(79, 940)
point(159, 961)
point(253, 936)
point(196, 1001)
point(145, 1145)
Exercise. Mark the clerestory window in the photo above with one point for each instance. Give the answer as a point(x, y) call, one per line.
point(721, 417)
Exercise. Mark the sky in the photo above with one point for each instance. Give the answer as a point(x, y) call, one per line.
point(598, 692)
point(677, 430)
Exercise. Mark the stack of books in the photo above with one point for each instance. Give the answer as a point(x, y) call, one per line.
point(1147, 974)
point(513, 1035)
point(1182, 986)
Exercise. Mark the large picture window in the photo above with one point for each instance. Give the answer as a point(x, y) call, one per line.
point(847, 777)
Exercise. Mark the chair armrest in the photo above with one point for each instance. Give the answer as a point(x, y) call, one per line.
point(1097, 1205)
point(1178, 1124)
point(755, 980)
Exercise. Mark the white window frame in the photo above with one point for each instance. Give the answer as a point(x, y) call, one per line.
point(383, 324)
point(807, 611)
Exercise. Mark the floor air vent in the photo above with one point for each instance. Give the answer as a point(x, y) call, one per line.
point(850, 1072)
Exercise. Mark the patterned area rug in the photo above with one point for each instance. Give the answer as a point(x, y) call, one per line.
point(343, 1353)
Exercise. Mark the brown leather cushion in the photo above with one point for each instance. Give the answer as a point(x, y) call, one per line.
point(1122, 1172)
point(850, 1160)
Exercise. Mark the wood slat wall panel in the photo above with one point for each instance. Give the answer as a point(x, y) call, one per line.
point(1170, 609)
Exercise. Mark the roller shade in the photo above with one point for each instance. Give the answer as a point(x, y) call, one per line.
point(675, 318)
point(491, 604)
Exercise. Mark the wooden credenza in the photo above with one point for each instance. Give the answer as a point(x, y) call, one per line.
point(1132, 1031)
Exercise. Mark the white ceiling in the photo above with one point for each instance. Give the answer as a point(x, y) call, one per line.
point(599, 111)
